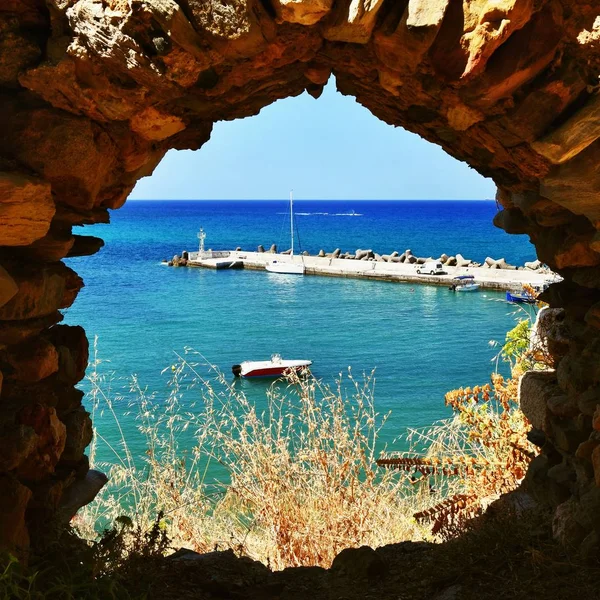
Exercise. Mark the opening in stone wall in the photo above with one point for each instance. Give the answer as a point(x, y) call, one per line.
point(95, 93)
point(411, 341)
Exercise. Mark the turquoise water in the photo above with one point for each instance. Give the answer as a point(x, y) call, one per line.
point(422, 341)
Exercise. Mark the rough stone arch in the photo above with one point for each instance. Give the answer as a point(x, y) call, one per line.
point(94, 92)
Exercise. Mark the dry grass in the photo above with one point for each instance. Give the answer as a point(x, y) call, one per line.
point(483, 450)
point(299, 480)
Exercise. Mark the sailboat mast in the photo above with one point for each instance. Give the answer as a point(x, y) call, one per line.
point(292, 221)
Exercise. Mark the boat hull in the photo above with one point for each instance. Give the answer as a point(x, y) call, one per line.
point(288, 268)
point(519, 298)
point(272, 372)
point(255, 369)
point(472, 287)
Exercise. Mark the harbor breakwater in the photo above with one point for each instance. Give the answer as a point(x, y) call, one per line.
point(491, 274)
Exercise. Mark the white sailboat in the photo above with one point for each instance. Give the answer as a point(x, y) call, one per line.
point(287, 265)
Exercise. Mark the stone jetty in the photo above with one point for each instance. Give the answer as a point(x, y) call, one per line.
point(492, 273)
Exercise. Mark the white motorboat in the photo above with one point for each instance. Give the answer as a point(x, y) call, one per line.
point(276, 367)
point(464, 283)
point(287, 265)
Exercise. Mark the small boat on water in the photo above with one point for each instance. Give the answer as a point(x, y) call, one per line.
point(464, 283)
point(520, 297)
point(276, 367)
point(287, 266)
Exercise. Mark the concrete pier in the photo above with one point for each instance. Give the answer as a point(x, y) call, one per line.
point(493, 279)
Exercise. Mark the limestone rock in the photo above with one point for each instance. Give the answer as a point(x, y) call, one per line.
point(31, 360)
point(41, 292)
point(565, 526)
point(85, 245)
point(50, 442)
point(14, 498)
point(573, 136)
point(73, 352)
point(53, 247)
point(77, 159)
point(224, 571)
point(550, 335)
point(16, 444)
point(26, 209)
point(80, 493)
point(596, 464)
point(358, 564)
point(8, 287)
point(15, 332)
point(588, 401)
point(535, 389)
point(79, 434)
point(404, 39)
point(305, 12)
point(488, 25)
point(352, 21)
point(153, 125)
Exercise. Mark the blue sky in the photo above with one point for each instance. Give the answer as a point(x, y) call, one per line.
point(330, 148)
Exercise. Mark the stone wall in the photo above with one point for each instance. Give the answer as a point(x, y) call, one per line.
point(94, 92)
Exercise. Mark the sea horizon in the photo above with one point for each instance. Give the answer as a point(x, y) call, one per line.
point(300, 199)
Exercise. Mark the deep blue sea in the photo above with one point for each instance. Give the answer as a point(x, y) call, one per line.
point(422, 342)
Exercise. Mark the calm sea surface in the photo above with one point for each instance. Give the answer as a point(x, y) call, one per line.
point(422, 342)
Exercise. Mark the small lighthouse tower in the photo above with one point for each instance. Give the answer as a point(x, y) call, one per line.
point(201, 237)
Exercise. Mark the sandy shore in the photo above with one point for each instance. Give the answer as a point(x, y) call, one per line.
point(498, 279)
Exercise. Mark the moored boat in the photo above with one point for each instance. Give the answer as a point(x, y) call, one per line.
point(276, 367)
point(464, 283)
point(287, 266)
point(520, 298)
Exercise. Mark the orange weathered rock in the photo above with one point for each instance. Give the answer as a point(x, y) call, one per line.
point(32, 360)
point(41, 291)
point(596, 464)
point(304, 12)
point(26, 209)
point(352, 21)
point(8, 286)
point(50, 442)
point(14, 498)
point(152, 124)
